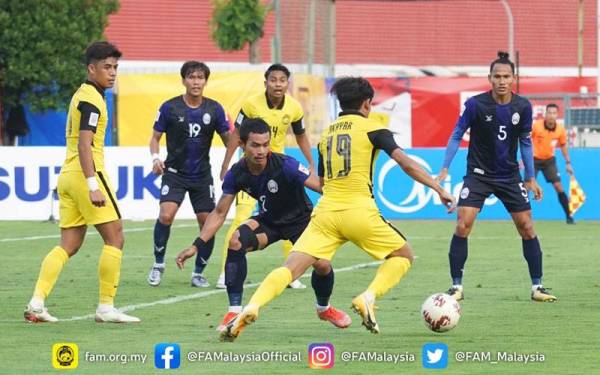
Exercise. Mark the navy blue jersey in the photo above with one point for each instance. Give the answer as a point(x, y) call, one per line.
point(189, 134)
point(495, 133)
point(279, 189)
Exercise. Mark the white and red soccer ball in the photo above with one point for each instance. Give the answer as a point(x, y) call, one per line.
point(440, 312)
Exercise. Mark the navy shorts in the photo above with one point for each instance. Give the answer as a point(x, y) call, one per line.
point(513, 195)
point(202, 193)
point(548, 168)
point(275, 232)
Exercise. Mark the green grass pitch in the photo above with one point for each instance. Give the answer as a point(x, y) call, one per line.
point(498, 315)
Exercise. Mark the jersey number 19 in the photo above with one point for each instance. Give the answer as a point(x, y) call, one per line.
point(341, 159)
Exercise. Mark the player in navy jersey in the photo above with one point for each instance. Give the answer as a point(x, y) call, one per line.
point(190, 122)
point(500, 122)
point(277, 182)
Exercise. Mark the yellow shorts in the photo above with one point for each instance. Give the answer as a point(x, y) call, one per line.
point(75, 206)
point(366, 228)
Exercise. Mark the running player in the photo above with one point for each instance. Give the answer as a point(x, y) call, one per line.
point(347, 211)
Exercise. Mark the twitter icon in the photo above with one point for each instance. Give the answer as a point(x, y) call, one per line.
point(435, 355)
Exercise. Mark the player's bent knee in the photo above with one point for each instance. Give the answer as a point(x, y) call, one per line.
point(234, 241)
point(166, 218)
point(405, 252)
point(322, 267)
point(247, 238)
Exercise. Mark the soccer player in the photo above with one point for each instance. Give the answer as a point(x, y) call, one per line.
point(347, 210)
point(546, 135)
point(85, 194)
point(500, 121)
point(280, 111)
point(277, 182)
point(190, 122)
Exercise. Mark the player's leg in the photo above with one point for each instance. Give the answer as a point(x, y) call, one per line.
point(322, 281)
point(296, 264)
point(172, 193)
point(203, 202)
point(551, 174)
point(244, 207)
point(532, 253)
point(250, 236)
point(380, 239)
point(471, 200)
point(109, 273)
point(162, 232)
point(287, 246)
point(52, 265)
point(515, 199)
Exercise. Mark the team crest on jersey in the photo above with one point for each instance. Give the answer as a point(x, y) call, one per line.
point(464, 193)
point(272, 186)
point(165, 190)
point(285, 119)
point(515, 118)
point(206, 118)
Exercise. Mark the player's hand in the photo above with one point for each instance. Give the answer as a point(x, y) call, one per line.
point(533, 186)
point(97, 198)
point(442, 175)
point(158, 166)
point(569, 169)
point(448, 200)
point(184, 255)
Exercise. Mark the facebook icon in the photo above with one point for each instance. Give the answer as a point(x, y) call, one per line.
point(166, 355)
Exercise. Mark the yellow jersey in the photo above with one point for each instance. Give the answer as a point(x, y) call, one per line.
point(87, 99)
point(346, 161)
point(279, 118)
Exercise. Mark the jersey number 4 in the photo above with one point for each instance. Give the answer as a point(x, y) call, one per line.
point(341, 159)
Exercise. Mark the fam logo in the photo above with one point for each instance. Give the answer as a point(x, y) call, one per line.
point(391, 183)
point(65, 355)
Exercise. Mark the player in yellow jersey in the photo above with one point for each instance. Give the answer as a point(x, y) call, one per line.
point(279, 111)
point(347, 210)
point(85, 194)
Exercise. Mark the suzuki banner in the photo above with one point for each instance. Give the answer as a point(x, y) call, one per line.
point(29, 174)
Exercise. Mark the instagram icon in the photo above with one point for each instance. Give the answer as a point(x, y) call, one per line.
point(320, 355)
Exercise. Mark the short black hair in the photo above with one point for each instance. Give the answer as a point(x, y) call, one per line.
point(351, 92)
point(503, 58)
point(552, 105)
point(191, 66)
point(101, 50)
point(277, 67)
point(253, 125)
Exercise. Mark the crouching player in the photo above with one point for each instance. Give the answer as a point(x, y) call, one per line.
point(277, 182)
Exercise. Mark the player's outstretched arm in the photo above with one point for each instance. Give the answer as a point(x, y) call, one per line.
point(213, 222)
point(232, 144)
point(414, 170)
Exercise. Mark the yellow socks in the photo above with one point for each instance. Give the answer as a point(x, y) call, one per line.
point(230, 231)
point(287, 248)
point(51, 266)
point(272, 286)
point(243, 211)
point(109, 271)
point(388, 275)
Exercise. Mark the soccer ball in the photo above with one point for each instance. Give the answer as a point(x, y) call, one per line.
point(440, 312)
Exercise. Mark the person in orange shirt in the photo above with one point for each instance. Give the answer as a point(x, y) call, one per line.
point(547, 135)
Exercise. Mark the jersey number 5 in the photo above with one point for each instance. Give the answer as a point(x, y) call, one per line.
point(342, 158)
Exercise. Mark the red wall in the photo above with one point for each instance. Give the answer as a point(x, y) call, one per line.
point(457, 32)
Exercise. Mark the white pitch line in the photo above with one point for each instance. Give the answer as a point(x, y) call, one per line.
point(94, 233)
point(171, 300)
